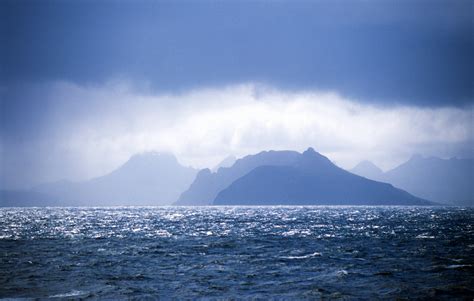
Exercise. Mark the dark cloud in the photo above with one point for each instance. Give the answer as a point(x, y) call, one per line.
point(390, 51)
point(59, 58)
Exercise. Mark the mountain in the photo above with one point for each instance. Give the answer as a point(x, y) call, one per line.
point(368, 170)
point(145, 179)
point(207, 184)
point(288, 177)
point(447, 181)
point(311, 180)
point(227, 162)
point(441, 180)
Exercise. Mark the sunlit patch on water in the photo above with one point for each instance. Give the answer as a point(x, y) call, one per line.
point(237, 252)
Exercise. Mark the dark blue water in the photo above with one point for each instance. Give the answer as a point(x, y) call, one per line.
point(237, 252)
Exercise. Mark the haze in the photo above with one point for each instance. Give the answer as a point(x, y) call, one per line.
point(85, 85)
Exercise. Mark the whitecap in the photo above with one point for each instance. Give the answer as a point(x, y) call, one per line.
point(341, 273)
point(422, 236)
point(315, 254)
point(73, 293)
point(163, 233)
point(290, 233)
point(458, 266)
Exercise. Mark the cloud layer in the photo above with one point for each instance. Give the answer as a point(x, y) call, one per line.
point(85, 131)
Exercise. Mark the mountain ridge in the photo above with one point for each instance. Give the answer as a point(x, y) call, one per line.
point(312, 180)
point(148, 178)
point(442, 180)
point(207, 184)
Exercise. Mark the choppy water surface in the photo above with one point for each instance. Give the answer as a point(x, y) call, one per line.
point(237, 252)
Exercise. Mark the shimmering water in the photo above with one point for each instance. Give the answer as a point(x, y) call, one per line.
point(237, 252)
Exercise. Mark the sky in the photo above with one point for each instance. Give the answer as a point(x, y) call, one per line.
point(86, 84)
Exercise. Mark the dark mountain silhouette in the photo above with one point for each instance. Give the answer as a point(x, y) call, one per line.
point(207, 185)
point(368, 170)
point(145, 179)
point(445, 181)
point(311, 179)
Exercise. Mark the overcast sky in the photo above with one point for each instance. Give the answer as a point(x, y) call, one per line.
point(84, 85)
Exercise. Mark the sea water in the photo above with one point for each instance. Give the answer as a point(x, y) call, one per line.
point(237, 253)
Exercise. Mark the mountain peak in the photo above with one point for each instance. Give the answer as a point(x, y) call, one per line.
point(311, 158)
point(152, 157)
point(147, 163)
point(313, 181)
point(367, 164)
point(310, 151)
point(148, 178)
point(367, 169)
point(441, 180)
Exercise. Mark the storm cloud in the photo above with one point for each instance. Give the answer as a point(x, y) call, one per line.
point(84, 85)
point(78, 132)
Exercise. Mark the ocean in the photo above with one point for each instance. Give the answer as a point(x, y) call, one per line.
point(257, 253)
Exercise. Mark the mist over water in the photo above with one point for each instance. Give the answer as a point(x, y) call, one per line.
point(309, 252)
